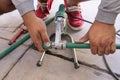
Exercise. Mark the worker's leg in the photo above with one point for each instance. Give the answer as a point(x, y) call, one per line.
point(74, 2)
point(74, 9)
point(72, 5)
point(6, 6)
point(44, 7)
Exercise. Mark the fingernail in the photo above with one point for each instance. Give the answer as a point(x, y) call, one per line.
point(47, 44)
point(76, 40)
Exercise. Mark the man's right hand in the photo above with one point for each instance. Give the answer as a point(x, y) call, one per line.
point(37, 30)
point(101, 37)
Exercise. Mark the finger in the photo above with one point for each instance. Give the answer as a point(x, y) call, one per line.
point(94, 49)
point(108, 48)
point(45, 38)
point(38, 43)
point(83, 39)
point(113, 48)
point(101, 47)
point(101, 50)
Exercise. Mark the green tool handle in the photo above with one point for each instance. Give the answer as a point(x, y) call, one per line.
point(76, 45)
point(61, 11)
point(19, 42)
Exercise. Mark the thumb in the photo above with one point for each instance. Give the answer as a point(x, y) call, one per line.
point(83, 39)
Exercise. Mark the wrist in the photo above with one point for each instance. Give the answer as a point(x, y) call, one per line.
point(106, 17)
point(30, 19)
point(29, 16)
point(102, 23)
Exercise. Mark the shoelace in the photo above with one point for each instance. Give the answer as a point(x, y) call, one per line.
point(42, 5)
point(74, 8)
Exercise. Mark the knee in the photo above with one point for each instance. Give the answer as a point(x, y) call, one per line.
point(6, 6)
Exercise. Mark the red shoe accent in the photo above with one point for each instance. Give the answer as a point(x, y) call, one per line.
point(43, 8)
point(75, 23)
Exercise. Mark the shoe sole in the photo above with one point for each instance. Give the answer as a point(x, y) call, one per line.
point(73, 28)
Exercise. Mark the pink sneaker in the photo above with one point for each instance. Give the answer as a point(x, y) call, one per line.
point(75, 23)
point(43, 8)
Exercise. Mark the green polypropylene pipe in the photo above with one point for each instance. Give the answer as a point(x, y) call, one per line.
point(85, 45)
point(19, 42)
point(76, 45)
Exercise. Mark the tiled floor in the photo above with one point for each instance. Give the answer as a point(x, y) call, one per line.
point(20, 64)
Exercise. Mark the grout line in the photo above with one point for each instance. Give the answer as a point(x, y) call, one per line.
point(17, 27)
point(80, 62)
point(16, 62)
point(4, 38)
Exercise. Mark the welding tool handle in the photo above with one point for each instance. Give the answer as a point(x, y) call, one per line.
point(61, 11)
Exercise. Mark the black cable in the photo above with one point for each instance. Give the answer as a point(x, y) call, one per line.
point(117, 33)
point(70, 14)
point(108, 67)
point(105, 61)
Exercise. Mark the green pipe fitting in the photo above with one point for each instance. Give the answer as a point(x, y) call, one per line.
point(61, 11)
point(19, 42)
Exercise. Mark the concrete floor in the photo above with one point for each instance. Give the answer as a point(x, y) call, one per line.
point(20, 64)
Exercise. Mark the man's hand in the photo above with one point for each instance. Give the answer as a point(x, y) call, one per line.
point(101, 37)
point(37, 30)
